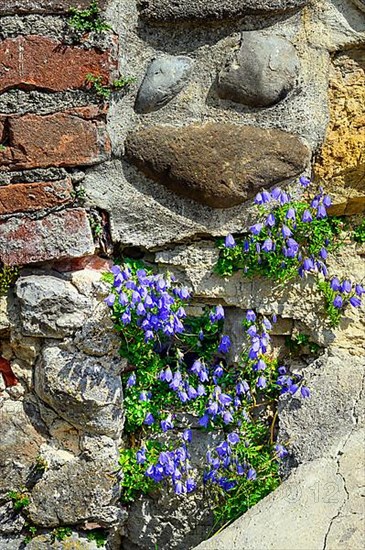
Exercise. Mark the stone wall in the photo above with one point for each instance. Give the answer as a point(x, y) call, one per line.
point(227, 97)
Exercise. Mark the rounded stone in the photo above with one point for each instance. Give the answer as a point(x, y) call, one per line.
point(166, 76)
point(185, 10)
point(263, 71)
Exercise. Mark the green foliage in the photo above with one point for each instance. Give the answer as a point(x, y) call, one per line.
point(148, 360)
point(257, 450)
point(297, 343)
point(79, 194)
point(88, 20)
point(20, 500)
point(61, 533)
point(359, 233)
point(311, 237)
point(135, 482)
point(8, 276)
point(2, 148)
point(334, 314)
point(103, 90)
point(99, 536)
point(41, 464)
point(31, 532)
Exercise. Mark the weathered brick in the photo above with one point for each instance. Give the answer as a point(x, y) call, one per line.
point(79, 264)
point(61, 139)
point(65, 234)
point(8, 7)
point(27, 197)
point(40, 62)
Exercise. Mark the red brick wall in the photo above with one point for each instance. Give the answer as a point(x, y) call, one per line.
point(39, 219)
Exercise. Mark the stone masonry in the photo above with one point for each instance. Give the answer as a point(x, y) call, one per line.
point(196, 105)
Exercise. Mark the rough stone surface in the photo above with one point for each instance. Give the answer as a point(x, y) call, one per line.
point(300, 300)
point(360, 4)
point(21, 439)
point(74, 493)
point(43, 6)
point(164, 10)
point(73, 542)
point(64, 234)
point(166, 76)
point(40, 62)
point(29, 197)
point(219, 165)
point(341, 161)
point(317, 427)
point(50, 307)
point(10, 520)
point(167, 522)
point(261, 73)
point(61, 139)
point(85, 391)
point(4, 317)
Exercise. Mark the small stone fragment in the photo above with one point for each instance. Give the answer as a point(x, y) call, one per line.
point(50, 307)
point(165, 10)
point(262, 73)
point(219, 165)
point(166, 76)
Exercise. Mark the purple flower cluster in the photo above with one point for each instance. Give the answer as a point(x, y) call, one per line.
point(223, 464)
point(271, 227)
point(172, 465)
point(226, 408)
point(152, 301)
point(291, 383)
point(346, 293)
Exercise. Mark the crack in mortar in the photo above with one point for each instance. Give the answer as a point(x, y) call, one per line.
point(339, 455)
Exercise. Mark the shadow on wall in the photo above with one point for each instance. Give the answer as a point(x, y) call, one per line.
point(176, 42)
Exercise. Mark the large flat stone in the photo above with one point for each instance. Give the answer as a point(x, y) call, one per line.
point(165, 10)
point(219, 165)
point(293, 516)
point(319, 426)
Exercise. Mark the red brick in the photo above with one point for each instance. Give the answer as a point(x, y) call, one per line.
point(60, 139)
point(61, 235)
point(28, 197)
point(40, 62)
point(79, 264)
point(43, 6)
point(9, 377)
